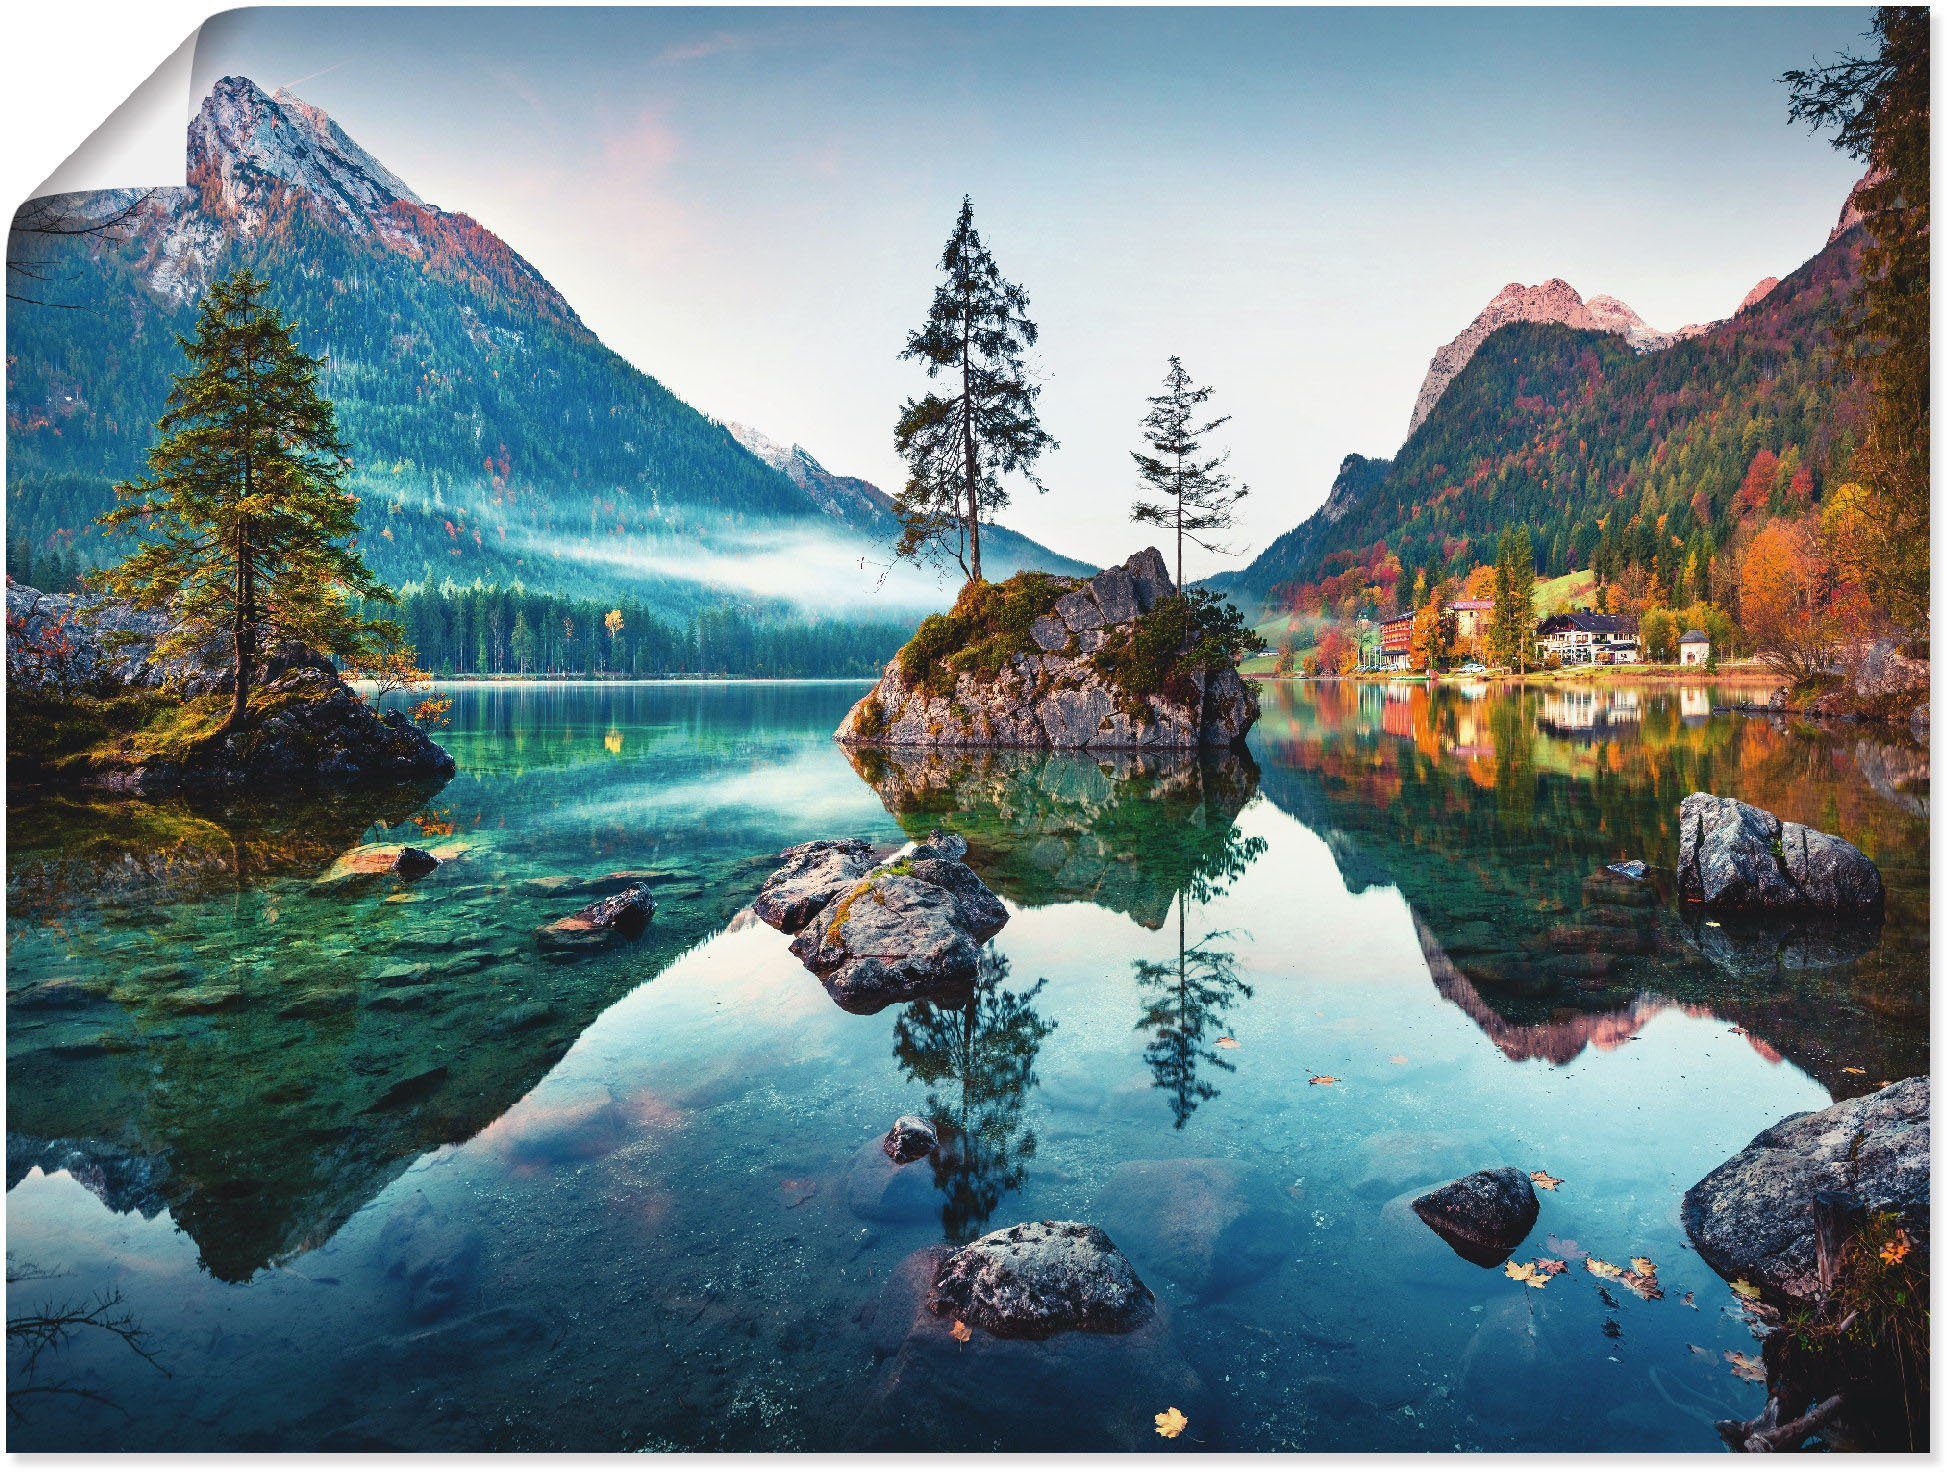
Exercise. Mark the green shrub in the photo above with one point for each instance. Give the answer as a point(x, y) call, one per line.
point(1184, 635)
point(987, 626)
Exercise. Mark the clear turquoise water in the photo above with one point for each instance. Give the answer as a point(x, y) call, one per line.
point(368, 1172)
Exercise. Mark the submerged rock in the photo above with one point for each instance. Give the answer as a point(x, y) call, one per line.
point(1736, 856)
point(1041, 1278)
point(619, 917)
point(1630, 869)
point(1043, 685)
point(1483, 1217)
point(1201, 1224)
point(1751, 1218)
point(372, 862)
point(910, 1138)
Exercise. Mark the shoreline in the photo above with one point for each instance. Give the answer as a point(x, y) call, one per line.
point(1607, 674)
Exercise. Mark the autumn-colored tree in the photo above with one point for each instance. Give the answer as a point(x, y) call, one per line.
point(1755, 493)
point(1336, 654)
point(1879, 110)
point(1433, 636)
point(1784, 600)
point(1659, 633)
point(391, 668)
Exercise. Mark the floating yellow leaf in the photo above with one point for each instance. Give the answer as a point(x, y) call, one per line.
point(1852, 1070)
point(1544, 1180)
point(960, 1331)
point(1745, 1289)
point(1744, 1366)
point(1323, 1078)
point(1602, 1269)
point(1528, 1272)
point(1227, 1042)
point(1170, 1423)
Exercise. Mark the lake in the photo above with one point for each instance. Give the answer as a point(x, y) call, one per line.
point(366, 1171)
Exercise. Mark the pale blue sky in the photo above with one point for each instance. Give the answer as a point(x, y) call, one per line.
point(749, 204)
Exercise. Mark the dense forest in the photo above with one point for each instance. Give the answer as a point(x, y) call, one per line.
point(512, 631)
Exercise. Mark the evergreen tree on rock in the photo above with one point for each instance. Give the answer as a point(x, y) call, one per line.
point(1196, 496)
point(959, 445)
point(244, 522)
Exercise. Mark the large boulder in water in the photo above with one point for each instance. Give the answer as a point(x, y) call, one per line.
point(1736, 856)
point(1041, 1278)
point(895, 936)
point(883, 932)
point(1752, 1217)
point(811, 875)
point(1483, 1217)
point(1040, 661)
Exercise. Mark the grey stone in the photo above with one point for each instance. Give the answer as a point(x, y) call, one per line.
point(1055, 696)
point(1041, 1278)
point(812, 874)
point(1484, 1216)
point(1199, 1223)
point(890, 938)
point(1751, 1218)
point(1732, 855)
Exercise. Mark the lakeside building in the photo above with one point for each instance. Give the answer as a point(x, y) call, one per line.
point(1470, 616)
point(1396, 642)
point(1589, 638)
point(1693, 647)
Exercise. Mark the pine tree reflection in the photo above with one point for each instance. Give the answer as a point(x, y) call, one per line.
point(1187, 1001)
point(976, 1056)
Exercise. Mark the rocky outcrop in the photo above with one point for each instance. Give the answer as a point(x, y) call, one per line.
point(619, 917)
point(910, 1138)
point(308, 731)
point(1052, 676)
point(1552, 301)
point(1041, 1278)
point(1483, 1217)
point(883, 931)
point(1752, 1217)
point(1735, 856)
point(372, 863)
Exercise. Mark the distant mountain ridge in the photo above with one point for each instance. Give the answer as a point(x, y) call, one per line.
point(494, 436)
point(1579, 420)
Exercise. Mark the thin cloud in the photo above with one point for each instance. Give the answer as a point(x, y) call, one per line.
point(704, 47)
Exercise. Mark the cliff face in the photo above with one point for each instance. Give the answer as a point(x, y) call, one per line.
point(1110, 663)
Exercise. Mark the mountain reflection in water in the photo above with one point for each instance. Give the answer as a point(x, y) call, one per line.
point(376, 1167)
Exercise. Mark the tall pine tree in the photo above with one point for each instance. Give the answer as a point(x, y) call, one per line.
point(1196, 495)
point(244, 521)
point(958, 446)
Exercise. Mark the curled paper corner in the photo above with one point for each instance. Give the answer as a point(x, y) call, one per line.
point(140, 144)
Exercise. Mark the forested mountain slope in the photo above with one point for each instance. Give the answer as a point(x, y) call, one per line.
point(495, 438)
point(1612, 456)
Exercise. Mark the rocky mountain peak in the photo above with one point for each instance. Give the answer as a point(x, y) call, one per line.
point(1554, 300)
point(246, 145)
point(1850, 213)
point(1757, 293)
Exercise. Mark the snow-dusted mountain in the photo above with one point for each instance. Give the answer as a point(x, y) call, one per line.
point(495, 437)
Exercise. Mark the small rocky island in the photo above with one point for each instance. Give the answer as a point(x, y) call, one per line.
point(1119, 661)
point(95, 706)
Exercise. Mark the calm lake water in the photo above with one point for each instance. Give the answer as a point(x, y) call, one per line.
point(367, 1171)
